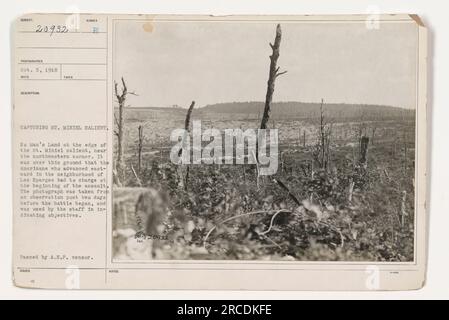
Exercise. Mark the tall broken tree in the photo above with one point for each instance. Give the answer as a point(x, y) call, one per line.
point(184, 174)
point(121, 99)
point(188, 116)
point(139, 148)
point(186, 126)
point(322, 150)
point(274, 73)
point(364, 143)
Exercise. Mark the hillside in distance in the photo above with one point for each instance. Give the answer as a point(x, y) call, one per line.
point(311, 110)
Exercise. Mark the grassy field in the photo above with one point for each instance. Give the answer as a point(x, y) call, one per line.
point(346, 212)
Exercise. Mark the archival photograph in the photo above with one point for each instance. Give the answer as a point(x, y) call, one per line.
point(264, 140)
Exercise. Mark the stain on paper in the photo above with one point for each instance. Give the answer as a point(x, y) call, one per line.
point(148, 27)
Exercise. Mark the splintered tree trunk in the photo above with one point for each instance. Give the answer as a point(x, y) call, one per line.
point(121, 98)
point(282, 162)
point(328, 144)
point(188, 116)
point(187, 122)
point(139, 149)
point(322, 154)
point(322, 136)
point(373, 134)
point(364, 142)
point(274, 73)
point(185, 175)
point(120, 131)
point(304, 138)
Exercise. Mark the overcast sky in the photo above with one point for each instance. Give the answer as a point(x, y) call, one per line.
point(211, 62)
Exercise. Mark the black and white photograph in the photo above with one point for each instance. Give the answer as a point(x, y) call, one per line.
point(257, 140)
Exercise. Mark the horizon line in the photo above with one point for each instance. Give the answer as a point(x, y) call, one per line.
point(176, 106)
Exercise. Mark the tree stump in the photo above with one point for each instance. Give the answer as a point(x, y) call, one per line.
point(364, 142)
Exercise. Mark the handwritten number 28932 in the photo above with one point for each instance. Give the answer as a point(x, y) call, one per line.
point(51, 29)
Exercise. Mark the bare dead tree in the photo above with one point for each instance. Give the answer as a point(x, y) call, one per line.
point(373, 132)
point(304, 138)
point(185, 175)
point(188, 116)
point(187, 122)
point(274, 73)
point(121, 99)
point(364, 143)
point(282, 162)
point(322, 133)
point(328, 144)
point(322, 150)
point(139, 148)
